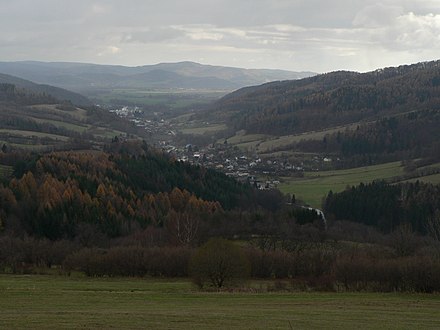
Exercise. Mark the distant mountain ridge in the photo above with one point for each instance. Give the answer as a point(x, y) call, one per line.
point(81, 77)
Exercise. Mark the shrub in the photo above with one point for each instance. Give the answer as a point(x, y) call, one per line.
point(130, 261)
point(219, 263)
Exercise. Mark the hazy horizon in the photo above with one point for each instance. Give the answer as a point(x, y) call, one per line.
point(314, 35)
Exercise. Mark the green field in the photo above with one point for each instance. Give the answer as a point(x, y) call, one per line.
point(32, 134)
point(434, 179)
point(80, 128)
point(48, 110)
point(55, 302)
point(267, 143)
point(199, 130)
point(315, 185)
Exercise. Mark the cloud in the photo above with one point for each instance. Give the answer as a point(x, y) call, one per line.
point(109, 50)
point(417, 31)
point(377, 15)
point(318, 35)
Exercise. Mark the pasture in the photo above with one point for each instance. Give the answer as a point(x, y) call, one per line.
point(434, 179)
point(203, 129)
point(55, 302)
point(315, 185)
point(266, 143)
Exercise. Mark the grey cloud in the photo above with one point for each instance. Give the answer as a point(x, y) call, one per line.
point(377, 15)
point(318, 35)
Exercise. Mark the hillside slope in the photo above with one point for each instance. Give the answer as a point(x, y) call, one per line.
point(332, 99)
point(58, 93)
point(38, 121)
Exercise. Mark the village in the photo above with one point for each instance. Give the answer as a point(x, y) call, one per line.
point(262, 171)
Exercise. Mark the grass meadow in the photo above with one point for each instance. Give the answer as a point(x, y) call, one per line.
point(315, 185)
point(200, 130)
point(54, 302)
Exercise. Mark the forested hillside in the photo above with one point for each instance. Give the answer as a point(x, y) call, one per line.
point(332, 99)
point(408, 136)
point(387, 207)
point(56, 92)
point(117, 192)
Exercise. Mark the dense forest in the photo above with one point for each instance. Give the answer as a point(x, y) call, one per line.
point(117, 192)
point(11, 93)
point(388, 207)
point(333, 99)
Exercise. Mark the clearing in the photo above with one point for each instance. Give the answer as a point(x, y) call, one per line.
point(315, 185)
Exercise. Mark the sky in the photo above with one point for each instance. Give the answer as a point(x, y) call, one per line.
point(298, 35)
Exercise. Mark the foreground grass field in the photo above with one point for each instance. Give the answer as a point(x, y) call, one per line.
point(53, 302)
point(315, 185)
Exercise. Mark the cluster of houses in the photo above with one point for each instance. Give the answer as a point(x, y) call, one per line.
point(159, 127)
point(260, 172)
point(263, 172)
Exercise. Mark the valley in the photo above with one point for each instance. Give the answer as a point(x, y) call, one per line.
point(370, 141)
point(220, 165)
point(135, 183)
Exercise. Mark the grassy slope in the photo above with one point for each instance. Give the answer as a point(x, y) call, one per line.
point(25, 133)
point(204, 129)
point(434, 179)
point(52, 302)
point(266, 143)
point(315, 185)
point(72, 120)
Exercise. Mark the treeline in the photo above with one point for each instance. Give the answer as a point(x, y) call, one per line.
point(387, 206)
point(312, 266)
point(332, 99)
point(414, 135)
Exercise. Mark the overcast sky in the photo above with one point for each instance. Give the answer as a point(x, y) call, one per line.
point(299, 35)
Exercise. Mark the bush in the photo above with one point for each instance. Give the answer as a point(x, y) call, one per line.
point(405, 274)
point(130, 261)
point(24, 255)
point(219, 263)
point(309, 263)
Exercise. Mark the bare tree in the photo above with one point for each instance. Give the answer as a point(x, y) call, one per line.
point(433, 226)
point(183, 227)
